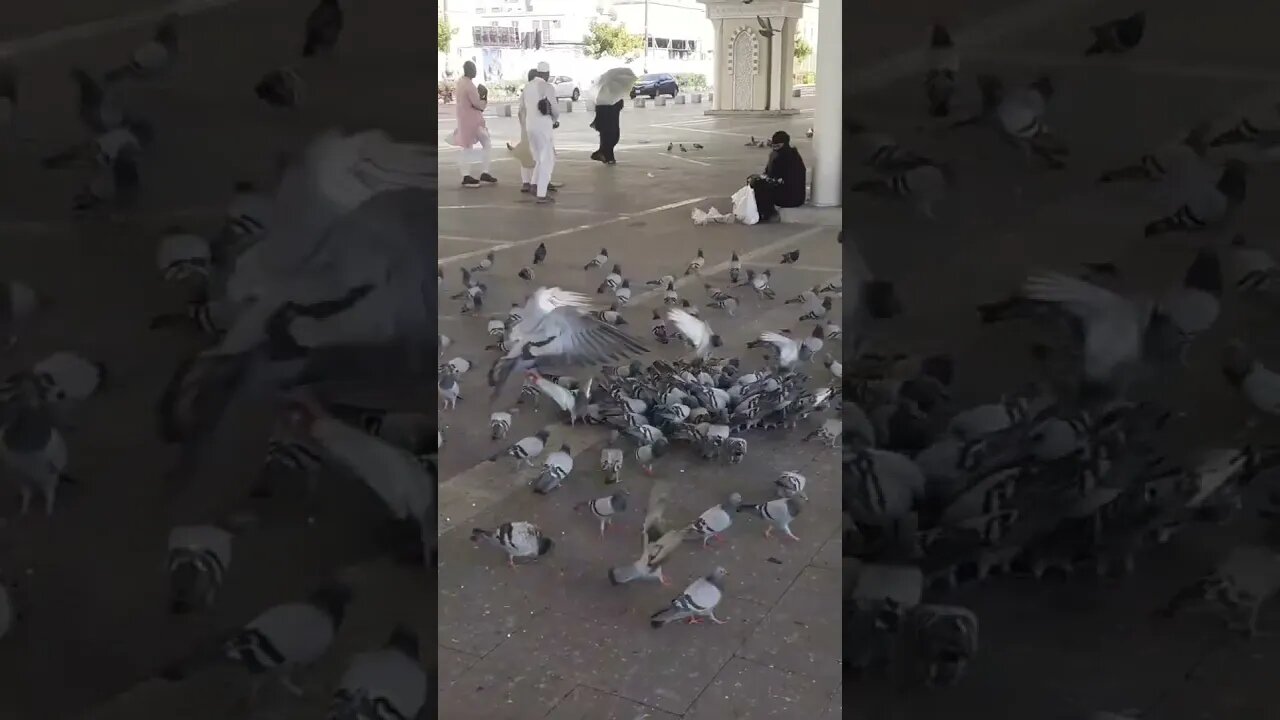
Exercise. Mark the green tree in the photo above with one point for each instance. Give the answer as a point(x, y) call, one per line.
point(444, 34)
point(613, 40)
point(803, 49)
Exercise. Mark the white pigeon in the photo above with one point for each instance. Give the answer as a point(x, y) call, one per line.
point(786, 350)
point(556, 329)
point(517, 539)
point(697, 333)
point(387, 682)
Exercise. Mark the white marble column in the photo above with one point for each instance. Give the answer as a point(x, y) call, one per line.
point(775, 52)
point(719, 78)
point(827, 126)
point(788, 63)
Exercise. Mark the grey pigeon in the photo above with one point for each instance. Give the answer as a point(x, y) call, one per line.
point(388, 681)
point(697, 600)
point(777, 513)
point(605, 508)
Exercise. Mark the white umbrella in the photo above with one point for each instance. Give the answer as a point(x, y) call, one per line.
point(612, 86)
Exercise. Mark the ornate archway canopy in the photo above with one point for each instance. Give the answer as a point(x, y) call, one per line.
point(753, 73)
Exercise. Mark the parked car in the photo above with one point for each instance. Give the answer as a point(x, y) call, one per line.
point(655, 84)
point(565, 87)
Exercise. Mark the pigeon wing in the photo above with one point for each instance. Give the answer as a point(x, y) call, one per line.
point(1085, 300)
point(574, 339)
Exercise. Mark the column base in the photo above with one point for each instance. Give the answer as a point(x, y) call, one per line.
point(754, 113)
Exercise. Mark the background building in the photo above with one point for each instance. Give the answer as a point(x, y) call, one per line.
point(498, 35)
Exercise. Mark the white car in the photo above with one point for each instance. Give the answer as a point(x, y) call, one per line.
point(565, 87)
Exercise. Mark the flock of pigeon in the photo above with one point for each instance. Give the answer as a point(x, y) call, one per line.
point(711, 405)
point(1078, 470)
point(313, 280)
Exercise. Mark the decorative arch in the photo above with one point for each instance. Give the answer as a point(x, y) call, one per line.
point(743, 65)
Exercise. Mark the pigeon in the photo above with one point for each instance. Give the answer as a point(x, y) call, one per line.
point(67, 376)
point(518, 539)
point(99, 110)
point(153, 57)
point(1253, 269)
point(791, 484)
point(789, 258)
point(280, 88)
point(599, 260)
point(555, 469)
point(450, 392)
point(940, 80)
point(829, 432)
point(670, 296)
point(1114, 327)
point(786, 352)
point(573, 402)
point(540, 254)
point(697, 600)
point(670, 146)
point(759, 282)
point(526, 449)
point(715, 520)
point(486, 264)
point(387, 682)
point(728, 303)
point(1178, 163)
point(1260, 385)
point(944, 639)
point(554, 329)
point(1193, 306)
point(1205, 205)
point(282, 639)
point(324, 26)
point(881, 152)
point(605, 508)
point(659, 330)
point(499, 424)
point(777, 513)
point(199, 557)
point(35, 451)
point(1119, 36)
point(611, 316)
point(695, 265)
point(1019, 117)
point(182, 256)
point(735, 267)
point(1242, 132)
point(658, 547)
point(1244, 580)
point(923, 185)
point(612, 281)
point(622, 294)
point(611, 463)
point(696, 333)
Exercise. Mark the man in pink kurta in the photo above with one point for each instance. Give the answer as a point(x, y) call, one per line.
point(472, 101)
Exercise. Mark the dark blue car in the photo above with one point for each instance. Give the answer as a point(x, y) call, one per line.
point(655, 84)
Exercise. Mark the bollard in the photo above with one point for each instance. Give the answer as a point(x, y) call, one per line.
point(682, 99)
point(696, 98)
point(506, 110)
point(639, 102)
point(567, 106)
point(711, 96)
point(795, 92)
point(660, 101)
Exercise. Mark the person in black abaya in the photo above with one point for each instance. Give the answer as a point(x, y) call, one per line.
point(606, 123)
point(782, 183)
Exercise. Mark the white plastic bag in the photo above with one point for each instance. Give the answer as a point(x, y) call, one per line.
point(744, 206)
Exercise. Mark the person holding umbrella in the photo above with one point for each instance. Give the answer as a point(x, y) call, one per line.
point(610, 90)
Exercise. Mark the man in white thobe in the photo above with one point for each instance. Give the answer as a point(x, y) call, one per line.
point(540, 126)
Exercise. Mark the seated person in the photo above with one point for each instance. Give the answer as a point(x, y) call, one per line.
point(782, 183)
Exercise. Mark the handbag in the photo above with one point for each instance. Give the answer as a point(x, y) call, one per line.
point(544, 106)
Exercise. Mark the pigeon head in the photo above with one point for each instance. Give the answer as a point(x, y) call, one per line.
point(795, 506)
point(1205, 273)
point(941, 38)
point(716, 341)
point(1233, 182)
point(1237, 363)
point(332, 599)
point(404, 639)
point(544, 546)
point(1044, 86)
point(542, 435)
point(618, 501)
point(881, 299)
point(190, 587)
point(734, 502)
point(717, 577)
